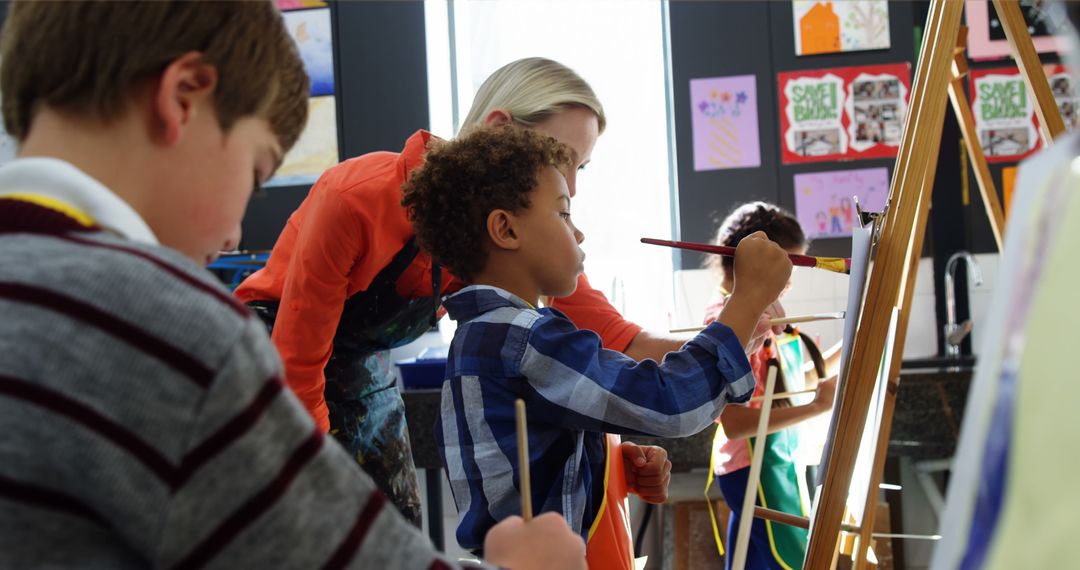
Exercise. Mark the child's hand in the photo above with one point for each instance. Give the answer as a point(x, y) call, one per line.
point(774, 311)
point(826, 393)
point(542, 543)
point(648, 471)
point(762, 270)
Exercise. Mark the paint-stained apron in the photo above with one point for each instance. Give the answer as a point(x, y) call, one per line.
point(367, 414)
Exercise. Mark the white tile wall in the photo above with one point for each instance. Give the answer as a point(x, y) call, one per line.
point(815, 291)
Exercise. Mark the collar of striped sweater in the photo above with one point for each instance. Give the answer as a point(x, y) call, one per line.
point(55, 180)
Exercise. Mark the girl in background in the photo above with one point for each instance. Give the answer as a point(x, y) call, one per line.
point(780, 487)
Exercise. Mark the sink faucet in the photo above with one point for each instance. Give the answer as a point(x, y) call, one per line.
point(955, 332)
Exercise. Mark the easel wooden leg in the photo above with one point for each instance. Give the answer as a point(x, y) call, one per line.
point(966, 120)
point(1050, 124)
point(919, 148)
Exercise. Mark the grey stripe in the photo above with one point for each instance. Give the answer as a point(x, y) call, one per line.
point(455, 468)
point(565, 387)
point(503, 498)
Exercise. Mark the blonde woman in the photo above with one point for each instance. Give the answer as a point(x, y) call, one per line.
point(346, 282)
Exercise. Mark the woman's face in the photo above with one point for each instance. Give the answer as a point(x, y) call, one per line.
point(577, 128)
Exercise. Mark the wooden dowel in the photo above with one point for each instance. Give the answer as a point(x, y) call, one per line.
point(793, 520)
point(523, 461)
point(792, 320)
point(742, 539)
point(783, 395)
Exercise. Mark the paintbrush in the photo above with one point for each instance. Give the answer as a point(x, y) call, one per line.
point(792, 320)
point(835, 264)
point(523, 461)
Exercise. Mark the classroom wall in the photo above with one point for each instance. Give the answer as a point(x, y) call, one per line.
point(716, 39)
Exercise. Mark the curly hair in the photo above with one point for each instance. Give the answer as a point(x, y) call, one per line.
point(777, 223)
point(463, 180)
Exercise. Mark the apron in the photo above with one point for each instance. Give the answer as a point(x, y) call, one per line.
point(609, 546)
point(782, 485)
point(367, 414)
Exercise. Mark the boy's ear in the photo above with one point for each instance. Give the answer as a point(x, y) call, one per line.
point(501, 230)
point(185, 88)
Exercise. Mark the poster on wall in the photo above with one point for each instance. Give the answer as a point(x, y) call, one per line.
point(824, 201)
point(1065, 94)
point(725, 122)
point(1004, 110)
point(317, 148)
point(986, 36)
point(840, 26)
point(844, 113)
point(1004, 114)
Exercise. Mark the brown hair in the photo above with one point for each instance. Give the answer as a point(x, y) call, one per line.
point(779, 225)
point(462, 181)
point(86, 57)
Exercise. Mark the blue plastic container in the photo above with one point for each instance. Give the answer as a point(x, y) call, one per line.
point(426, 371)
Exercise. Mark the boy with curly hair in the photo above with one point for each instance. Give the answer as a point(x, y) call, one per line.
point(493, 207)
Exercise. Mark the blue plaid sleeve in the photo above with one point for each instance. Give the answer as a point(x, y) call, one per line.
point(578, 384)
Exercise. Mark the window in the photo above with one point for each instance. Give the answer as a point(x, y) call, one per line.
point(618, 47)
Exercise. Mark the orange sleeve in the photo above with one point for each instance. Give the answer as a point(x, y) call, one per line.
point(333, 236)
point(589, 309)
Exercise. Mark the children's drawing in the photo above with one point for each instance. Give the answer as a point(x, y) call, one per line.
point(310, 29)
point(840, 26)
point(824, 201)
point(317, 148)
point(315, 151)
point(725, 122)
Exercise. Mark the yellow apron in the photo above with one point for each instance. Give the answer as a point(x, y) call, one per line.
point(610, 546)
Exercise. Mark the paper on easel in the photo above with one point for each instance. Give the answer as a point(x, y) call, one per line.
point(864, 461)
point(860, 263)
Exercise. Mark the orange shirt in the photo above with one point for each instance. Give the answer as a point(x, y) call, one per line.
point(344, 233)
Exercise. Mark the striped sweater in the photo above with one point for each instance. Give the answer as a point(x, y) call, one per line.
point(144, 422)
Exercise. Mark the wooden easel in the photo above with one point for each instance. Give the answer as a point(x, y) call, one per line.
point(939, 73)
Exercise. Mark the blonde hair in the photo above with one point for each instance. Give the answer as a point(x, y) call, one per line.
point(532, 90)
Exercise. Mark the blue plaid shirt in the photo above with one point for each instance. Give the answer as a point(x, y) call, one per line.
point(575, 391)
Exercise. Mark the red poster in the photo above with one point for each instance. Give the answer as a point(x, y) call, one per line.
point(1004, 110)
point(844, 113)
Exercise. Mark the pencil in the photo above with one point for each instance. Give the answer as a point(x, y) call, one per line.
point(523, 461)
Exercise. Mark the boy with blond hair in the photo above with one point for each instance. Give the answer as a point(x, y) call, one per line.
point(494, 208)
point(145, 421)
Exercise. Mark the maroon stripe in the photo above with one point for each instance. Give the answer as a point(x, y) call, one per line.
point(215, 292)
point(439, 565)
point(255, 506)
point(355, 539)
point(228, 433)
point(138, 338)
point(20, 216)
point(41, 497)
point(90, 419)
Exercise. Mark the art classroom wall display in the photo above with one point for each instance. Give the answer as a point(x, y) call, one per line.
point(1004, 110)
point(844, 113)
